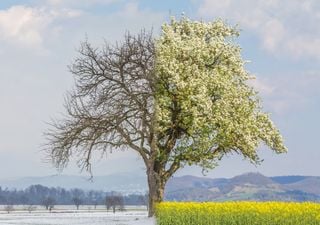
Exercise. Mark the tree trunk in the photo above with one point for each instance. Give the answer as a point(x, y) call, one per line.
point(156, 190)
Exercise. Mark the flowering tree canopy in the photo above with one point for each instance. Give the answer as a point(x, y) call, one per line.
point(203, 95)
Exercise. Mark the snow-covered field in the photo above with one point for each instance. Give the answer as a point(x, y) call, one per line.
point(76, 218)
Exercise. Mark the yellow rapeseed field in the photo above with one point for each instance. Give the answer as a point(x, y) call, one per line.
point(238, 213)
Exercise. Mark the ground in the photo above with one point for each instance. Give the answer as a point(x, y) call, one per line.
point(71, 217)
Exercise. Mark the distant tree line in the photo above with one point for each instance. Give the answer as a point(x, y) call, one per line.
point(48, 197)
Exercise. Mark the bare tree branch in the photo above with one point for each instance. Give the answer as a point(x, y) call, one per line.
point(112, 104)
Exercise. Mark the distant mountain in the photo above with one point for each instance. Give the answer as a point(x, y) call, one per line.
point(308, 185)
point(249, 186)
point(288, 179)
point(252, 178)
point(187, 182)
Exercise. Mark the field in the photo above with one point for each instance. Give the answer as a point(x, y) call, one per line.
point(238, 213)
point(66, 215)
point(172, 213)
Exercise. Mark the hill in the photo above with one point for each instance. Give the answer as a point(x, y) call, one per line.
point(249, 186)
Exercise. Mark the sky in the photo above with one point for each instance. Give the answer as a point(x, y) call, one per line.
point(39, 39)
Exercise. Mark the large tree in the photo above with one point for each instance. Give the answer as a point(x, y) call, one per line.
point(182, 98)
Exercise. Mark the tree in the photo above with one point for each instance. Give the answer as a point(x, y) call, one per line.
point(180, 99)
point(114, 201)
point(77, 202)
point(95, 203)
point(31, 208)
point(9, 208)
point(77, 194)
point(108, 202)
point(48, 203)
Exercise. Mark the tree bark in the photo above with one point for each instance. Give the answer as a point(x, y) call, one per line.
point(156, 190)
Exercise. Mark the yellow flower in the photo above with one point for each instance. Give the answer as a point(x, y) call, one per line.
point(255, 213)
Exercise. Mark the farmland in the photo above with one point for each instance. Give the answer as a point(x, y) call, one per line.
point(248, 213)
point(173, 213)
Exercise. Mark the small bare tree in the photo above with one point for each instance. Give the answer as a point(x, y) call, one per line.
point(9, 208)
point(114, 202)
point(95, 203)
point(31, 208)
point(77, 202)
point(48, 203)
point(108, 202)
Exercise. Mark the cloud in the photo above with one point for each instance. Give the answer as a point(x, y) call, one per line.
point(288, 92)
point(33, 84)
point(79, 3)
point(27, 26)
point(288, 27)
